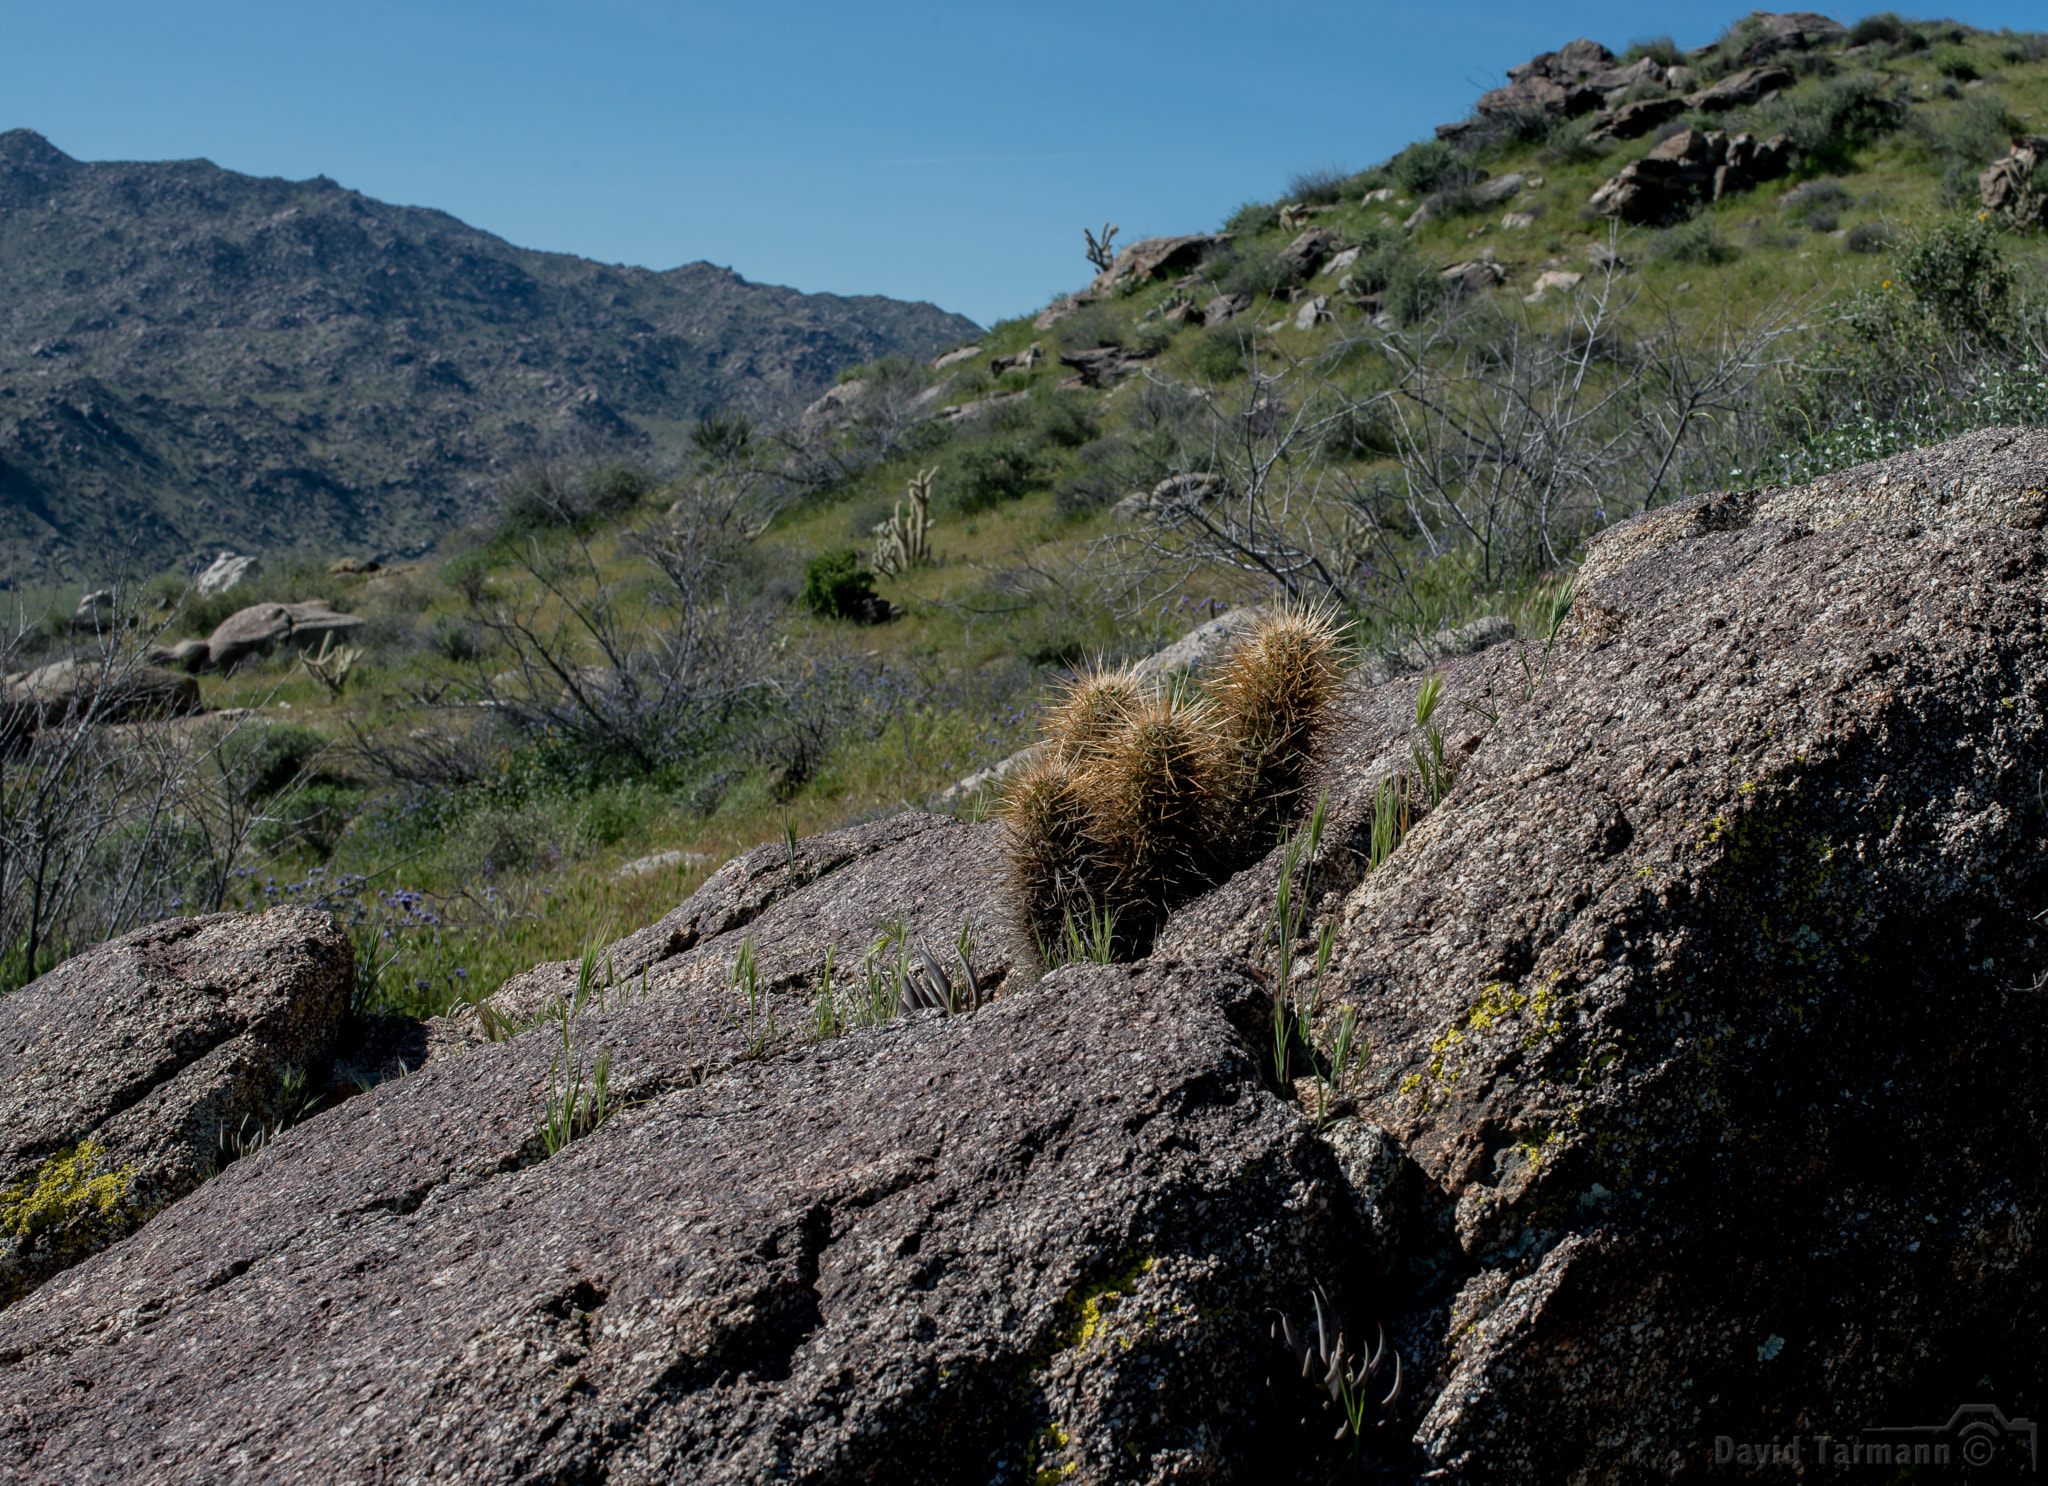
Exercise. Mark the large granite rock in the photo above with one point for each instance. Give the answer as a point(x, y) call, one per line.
point(1155, 255)
point(109, 691)
point(261, 628)
point(1691, 166)
point(1705, 1011)
point(1044, 1241)
point(125, 1071)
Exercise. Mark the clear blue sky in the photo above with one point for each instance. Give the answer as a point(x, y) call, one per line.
point(950, 152)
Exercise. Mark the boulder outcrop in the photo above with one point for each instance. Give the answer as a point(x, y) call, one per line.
point(2010, 184)
point(261, 628)
point(1155, 255)
point(130, 1071)
point(108, 691)
point(1691, 166)
point(1047, 1239)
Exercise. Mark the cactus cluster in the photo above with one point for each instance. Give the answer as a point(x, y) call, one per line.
point(1140, 798)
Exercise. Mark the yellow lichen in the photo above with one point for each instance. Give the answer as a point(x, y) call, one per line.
point(60, 1191)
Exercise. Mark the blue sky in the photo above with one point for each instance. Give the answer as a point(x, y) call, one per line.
point(927, 151)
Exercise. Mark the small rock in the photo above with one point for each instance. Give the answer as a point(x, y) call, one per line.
point(1342, 261)
point(953, 358)
point(227, 571)
point(661, 861)
point(1225, 307)
point(1517, 221)
point(1555, 279)
point(1022, 360)
point(1312, 311)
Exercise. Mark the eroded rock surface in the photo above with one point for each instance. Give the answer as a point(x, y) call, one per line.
point(1706, 1005)
point(1041, 1238)
point(147, 1053)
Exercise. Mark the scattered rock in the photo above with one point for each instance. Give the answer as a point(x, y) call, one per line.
point(1633, 120)
point(1313, 310)
point(1225, 307)
point(834, 408)
point(125, 1070)
point(352, 567)
point(1564, 82)
point(106, 691)
point(1154, 255)
point(1173, 496)
point(1604, 258)
point(1380, 193)
point(953, 358)
point(1302, 256)
point(1689, 167)
point(1556, 278)
point(2011, 186)
point(261, 628)
point(1475, 276)
point(1518, 221)
point(662, 861)
point(95, 613)
point(226, 571)
point(1341, 262)
point(1022, 360)
point(1790, 31)
point(1750, 85)
point(1104, 364)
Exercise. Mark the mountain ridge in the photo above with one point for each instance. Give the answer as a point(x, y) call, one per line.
point(191, 357)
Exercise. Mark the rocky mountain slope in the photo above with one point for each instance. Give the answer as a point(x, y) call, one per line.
point(190, 357)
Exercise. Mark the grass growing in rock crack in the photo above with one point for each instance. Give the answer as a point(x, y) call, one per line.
point(578, 1097)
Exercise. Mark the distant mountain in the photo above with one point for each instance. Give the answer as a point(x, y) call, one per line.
point(193, 359)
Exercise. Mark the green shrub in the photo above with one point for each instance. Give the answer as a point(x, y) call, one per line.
point(265, 759)
point(1957, 272)
point(1425, 166)
point(1220, 354)
point(1255, 269)
point(1826, 120)
point(1693, 242)
point(557, 492)
point(1887, 26)
point(1318, 187)
point(313, 817)
point(836, 586)
point(1252, 218)
point(1659, 49)
point(983, 476)
point(1955, 62)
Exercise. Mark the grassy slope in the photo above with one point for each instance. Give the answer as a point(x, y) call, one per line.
point(476, 926)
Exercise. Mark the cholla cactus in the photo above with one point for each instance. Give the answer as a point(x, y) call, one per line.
point(904, 542)
point(331, 667)
point(1100, 251)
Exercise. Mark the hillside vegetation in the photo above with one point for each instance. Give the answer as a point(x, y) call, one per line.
point(1408, 394)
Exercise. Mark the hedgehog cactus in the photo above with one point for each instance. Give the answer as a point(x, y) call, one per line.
point(1276, 692)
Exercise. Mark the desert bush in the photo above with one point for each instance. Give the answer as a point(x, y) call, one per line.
point(984, 476)
point(1659, 49)
point(836, 586)
point(1959, 274)
point(1867, 237)
point(1693, 242)
point(1886, 26)
point(1252, 218)
point(1425, 166)
point(1569, 142)
point(1955, 62)
point(1255, 269)
point(1828, 119)
point(265, 759)
point(456, 638)
point(1965, 139)
point(1222, 352)
point(1318, 187)
point(574, 488)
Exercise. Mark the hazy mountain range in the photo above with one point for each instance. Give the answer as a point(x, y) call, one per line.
point(193, 359)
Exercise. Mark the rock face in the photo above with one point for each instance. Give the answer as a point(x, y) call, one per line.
point(1155, 255)
point(124, 1071)
point(1750, 85)
point(1045, 1239)
point(2008, 184)
point(1670, 1001)
point(1101, 365)
point(1691, 166)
